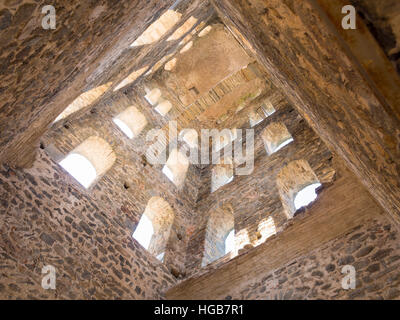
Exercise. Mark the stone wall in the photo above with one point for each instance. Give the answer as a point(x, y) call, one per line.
point(255, 197)
point(42, 71)
point(132, 181)
point(47, 219)
point(306, 259)
point(304, 57)
point(373, 249)
point(383, 20)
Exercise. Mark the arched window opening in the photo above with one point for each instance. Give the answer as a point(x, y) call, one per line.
point(283, 144)
point(230, 242)
point(275, 137)
point(305, 196)
point(242, 240)
point(161, 256)
point(267, 108)
point(131, 122)
point(80, 168)
point(144, 232)
point(255, 118)
point(159, 28)
point(220, 237)
point(164, 107)
point(153, 97)
point(89, 161)
point(84, 100)
point(220, 176)
point(154, 228)
point(176, 167)
point(296, 183)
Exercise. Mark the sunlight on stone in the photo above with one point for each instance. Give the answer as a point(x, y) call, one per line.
point(266, 229)
point(187, 47)
point(80, 168)
point(84, 100)
point(131, 122)
point(131, 78)
point(167, 171)
point(205, 31)
point(242, 239)
point(153, 96)
point(170, 64)
point(221, 175)
point(183, 29)
point(158, 28)
point(176, 167)
point(164, 107)
point(162, 61)
point(185, 40)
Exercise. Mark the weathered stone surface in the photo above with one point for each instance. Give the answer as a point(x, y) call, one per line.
point(41, 79)
point(320, 80)
point(290, 75)
point(81, 254)
point(268, 273)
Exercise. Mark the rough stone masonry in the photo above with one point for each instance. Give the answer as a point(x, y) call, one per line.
point(323, 109)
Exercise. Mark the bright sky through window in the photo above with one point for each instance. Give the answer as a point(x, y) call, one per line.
point(167, 171)
point(80, 168)
point(161, 256)
point(306, 195)
point(144, 232)
point(230, 242)
point(283, 144)
point(124, 128)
